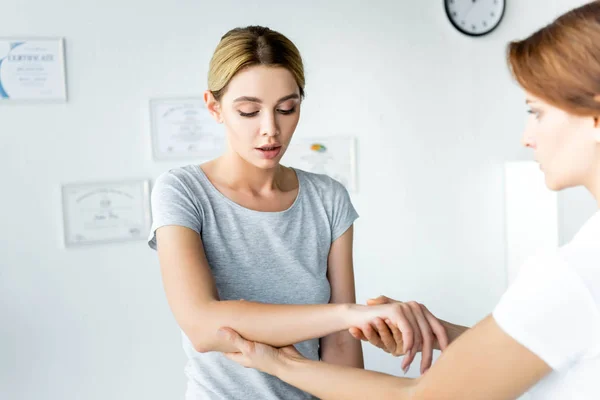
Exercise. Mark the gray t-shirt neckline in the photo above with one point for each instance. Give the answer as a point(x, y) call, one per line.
point(217, 192)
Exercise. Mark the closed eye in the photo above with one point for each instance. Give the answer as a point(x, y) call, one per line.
point(535, 113)
point(252, 114)
point(255, 113)
point(287, 112)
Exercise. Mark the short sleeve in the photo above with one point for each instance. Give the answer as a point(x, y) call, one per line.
point(343, 212)
point(173, 203)
point(550, 311)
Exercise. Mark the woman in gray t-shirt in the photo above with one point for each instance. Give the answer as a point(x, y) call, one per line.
point(267, 250)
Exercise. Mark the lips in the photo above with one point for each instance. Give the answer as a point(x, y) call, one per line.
point(269, 151)
point(269, 147)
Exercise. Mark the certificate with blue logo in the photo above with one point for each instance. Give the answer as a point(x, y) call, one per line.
point(334, 156)
point(32, 69)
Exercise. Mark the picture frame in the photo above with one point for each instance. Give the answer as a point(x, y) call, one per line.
point(105, 212)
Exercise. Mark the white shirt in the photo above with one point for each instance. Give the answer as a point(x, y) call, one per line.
point(553, 309)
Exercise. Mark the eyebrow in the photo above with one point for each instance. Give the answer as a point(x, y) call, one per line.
point(257, 100)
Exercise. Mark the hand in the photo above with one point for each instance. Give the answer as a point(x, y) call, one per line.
point(258, 355)
point(409, 328)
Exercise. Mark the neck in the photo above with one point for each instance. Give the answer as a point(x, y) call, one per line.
point(594, 184)
point(596, 191)
point(241, 175)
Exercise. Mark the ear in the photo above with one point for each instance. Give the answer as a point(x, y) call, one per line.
point(597, 129)
point(213, 106)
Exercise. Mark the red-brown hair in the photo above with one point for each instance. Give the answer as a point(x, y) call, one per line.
point(560, 63)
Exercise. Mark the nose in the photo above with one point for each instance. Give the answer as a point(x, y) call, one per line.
point(269, 125)
point(528, 139)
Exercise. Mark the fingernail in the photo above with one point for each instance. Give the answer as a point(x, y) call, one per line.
point(405, 370)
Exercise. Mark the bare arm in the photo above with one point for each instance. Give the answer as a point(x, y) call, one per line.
point(340, 347)
point(193, 298)
point(453, 330)
point(484, 363)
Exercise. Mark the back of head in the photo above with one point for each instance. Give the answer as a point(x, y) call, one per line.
point(253, 45)
point(560, 63)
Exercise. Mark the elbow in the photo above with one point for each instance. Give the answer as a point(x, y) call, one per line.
point(201, 346)
point(201, 339)
point(203, 336)
point(205, 340)
point(204, 344)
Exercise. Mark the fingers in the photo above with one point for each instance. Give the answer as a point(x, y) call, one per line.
point(417, 339)
point(387, 338)
point(372, 336)
point(379, 300)
point(405, 326)
point(437, 327)
point(397, 335)
point(357, 334)
point(237, 357)
point(426, 335)
point(234, 338)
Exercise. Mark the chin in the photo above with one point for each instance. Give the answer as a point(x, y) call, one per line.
point(266, 164)
point(556, 184)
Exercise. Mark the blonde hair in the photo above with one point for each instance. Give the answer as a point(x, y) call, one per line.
point(253, 45)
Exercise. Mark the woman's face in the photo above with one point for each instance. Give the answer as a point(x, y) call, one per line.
point(565, 145)
point(260, 110)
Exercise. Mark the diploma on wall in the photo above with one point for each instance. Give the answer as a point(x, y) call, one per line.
point(32, 69)
point(184, 129)
point(106, 212)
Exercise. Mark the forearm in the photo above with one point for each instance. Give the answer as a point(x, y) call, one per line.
point(273, 324)
point(341, 348)
point(333, 382)
point(453, 331)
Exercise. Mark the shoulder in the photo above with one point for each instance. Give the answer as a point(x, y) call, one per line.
point(186, 179)
point(547, 302)
point(184, 174)
point(322, 183)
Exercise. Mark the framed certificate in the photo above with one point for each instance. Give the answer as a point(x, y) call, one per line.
point(333, 156)
point(106, 212)
point(32, 69)
point(183, 128)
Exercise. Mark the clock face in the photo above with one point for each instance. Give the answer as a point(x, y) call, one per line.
point(475, 17)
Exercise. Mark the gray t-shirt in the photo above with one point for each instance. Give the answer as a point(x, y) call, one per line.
point(268, 257)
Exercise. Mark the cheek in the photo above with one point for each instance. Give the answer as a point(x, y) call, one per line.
point(549, 137)
point(568, 153)
point(288, 123)
point(242, 129)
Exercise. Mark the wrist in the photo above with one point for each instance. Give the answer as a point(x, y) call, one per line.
point(287, 364)
point(453, 331)
point(354, 315)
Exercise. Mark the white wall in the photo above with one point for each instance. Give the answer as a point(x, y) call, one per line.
point(435, 112)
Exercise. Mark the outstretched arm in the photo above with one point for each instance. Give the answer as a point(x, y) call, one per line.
point(484, 363)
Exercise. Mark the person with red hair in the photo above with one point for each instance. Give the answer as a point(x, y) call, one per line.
point(544, 335)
